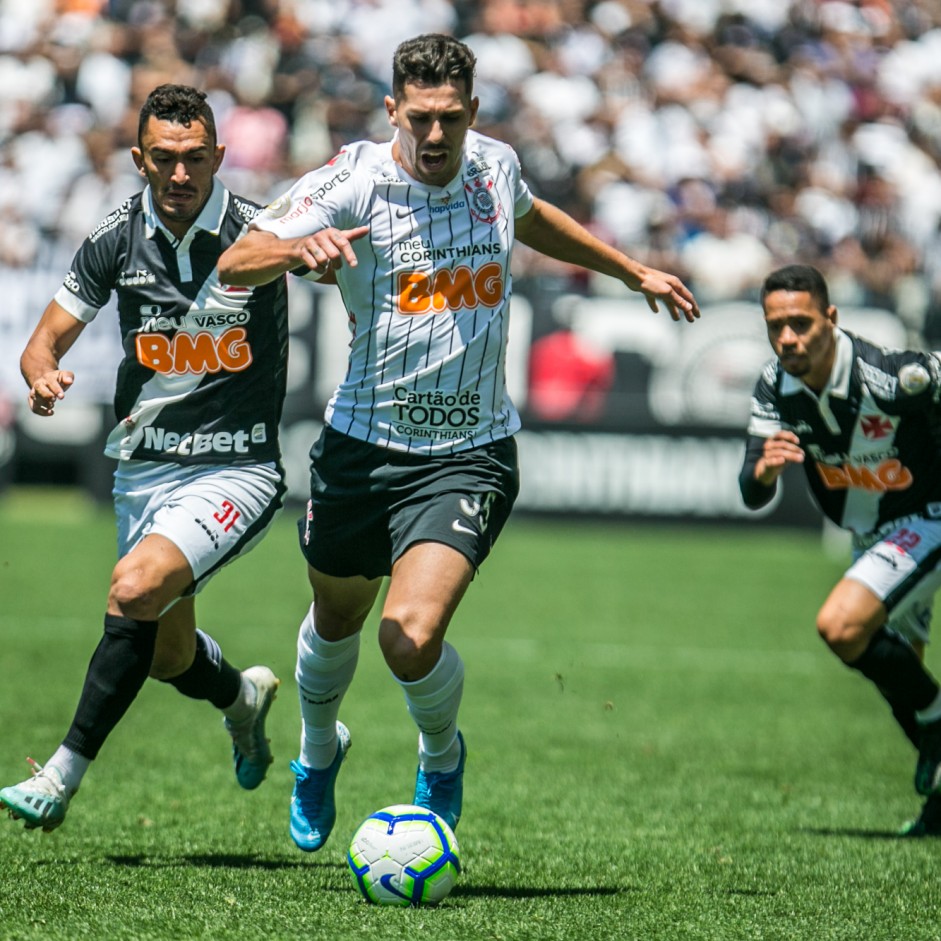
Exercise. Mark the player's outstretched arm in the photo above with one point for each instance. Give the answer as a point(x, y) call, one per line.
point(549, 230)
point(54, 335)
point(259, 257)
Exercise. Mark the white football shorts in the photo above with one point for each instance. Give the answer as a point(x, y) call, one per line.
point(903, 569)
point(212, 513)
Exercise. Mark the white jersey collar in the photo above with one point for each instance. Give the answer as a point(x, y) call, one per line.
point(209, 220)
point(839, 382)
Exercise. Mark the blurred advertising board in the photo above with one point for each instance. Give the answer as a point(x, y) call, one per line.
point(626, 414)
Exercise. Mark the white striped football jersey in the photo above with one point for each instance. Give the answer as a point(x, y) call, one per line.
point(429, 301)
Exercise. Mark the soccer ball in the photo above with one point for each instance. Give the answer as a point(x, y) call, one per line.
point(404, 855)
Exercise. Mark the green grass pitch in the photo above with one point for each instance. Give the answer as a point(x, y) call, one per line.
point(659, 748)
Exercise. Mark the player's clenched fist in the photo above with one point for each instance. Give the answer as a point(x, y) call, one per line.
point(48, 388)
point(781, 449)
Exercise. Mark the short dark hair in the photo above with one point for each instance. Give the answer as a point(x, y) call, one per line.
point(181, 104)
point(432, 59)
point(798, 278)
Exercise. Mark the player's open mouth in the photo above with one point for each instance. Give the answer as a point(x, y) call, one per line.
point(434, 162)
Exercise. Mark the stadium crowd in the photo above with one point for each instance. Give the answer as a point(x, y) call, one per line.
point(712, 138)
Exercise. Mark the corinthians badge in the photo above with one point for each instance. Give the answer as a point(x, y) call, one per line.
point(483, 207)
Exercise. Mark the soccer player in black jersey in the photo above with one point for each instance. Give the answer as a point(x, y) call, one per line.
point(865, 424)
point(198, 478)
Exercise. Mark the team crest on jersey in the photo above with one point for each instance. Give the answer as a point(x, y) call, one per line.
point(875, 427)
point(483, 207)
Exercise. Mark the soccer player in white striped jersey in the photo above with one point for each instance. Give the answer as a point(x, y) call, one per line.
point(415, 473)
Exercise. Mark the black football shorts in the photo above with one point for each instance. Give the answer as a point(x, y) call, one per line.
point(368, 504)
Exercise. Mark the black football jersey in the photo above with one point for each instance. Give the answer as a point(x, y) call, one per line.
point(872, 449)
point(203, 376)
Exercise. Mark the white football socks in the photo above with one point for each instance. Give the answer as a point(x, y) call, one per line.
point(243, 708)
point(70, 766)
point(324, 672)
point(433, 702)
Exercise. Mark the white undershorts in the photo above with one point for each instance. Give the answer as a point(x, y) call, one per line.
point(211, 513)
point(903, 569)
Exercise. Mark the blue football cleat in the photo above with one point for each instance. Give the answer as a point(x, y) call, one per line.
point(442, 792)
point(313, 807)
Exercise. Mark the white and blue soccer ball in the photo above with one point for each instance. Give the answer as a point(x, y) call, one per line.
point(404, 855)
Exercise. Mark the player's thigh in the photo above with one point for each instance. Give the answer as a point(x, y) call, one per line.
point(903, 570)
point(851, 614)
point(368, 506)
point(428, 582)
point(212, 515)
point(345, 532)
point(462, 501)
point(341, 604)
point(154, 573)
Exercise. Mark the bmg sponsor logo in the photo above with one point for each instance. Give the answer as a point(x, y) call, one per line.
point(450, 289)
point(887, 475)
point(195, 354)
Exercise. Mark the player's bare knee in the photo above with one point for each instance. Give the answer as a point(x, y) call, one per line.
point(132, 595)
point(845, 638)
point(333, 624)
point(398, 649)
point(410, 655)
